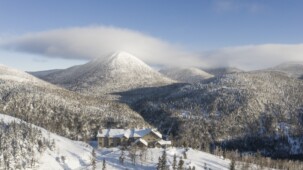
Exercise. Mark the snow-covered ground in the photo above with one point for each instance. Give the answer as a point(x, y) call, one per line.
point(76, 154)
point(149, 159)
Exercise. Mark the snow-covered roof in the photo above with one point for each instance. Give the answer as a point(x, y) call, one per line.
point(157, 133)
point(142, 141)
point(164, 142)
point(128, 133)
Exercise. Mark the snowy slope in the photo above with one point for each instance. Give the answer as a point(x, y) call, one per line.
point(119, 72)
point(187, 75)
point(77, 154)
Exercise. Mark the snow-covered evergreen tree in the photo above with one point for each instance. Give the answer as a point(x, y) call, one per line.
point(19, 144)
point(174, 165)
point(104, 165)
point(93, 159)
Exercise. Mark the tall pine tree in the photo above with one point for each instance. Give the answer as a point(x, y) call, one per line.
point(104, 165)
point(122, 156)
point(163, 160)
point(159, 165)
point(232, 164)
point(180, 164)
point(93, 159)
point(175, 162)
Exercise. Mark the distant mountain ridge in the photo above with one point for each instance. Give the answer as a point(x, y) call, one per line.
point(294, 69)
point(187, 75)
point(119, 72)
point(223, 70)
point(43, 73)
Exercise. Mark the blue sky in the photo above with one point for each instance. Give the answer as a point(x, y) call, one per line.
point(197, 25)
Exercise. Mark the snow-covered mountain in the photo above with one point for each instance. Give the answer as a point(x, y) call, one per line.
point(59, 110)
point(294, 69)
point(186, 75)
point(248, 111)
point(119, 72)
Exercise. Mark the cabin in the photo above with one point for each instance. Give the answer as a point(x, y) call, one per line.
point(125, 137)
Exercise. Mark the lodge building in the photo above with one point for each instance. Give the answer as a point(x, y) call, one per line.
point(125, 137)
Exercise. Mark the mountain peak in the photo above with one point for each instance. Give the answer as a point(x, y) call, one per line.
point(119, 71)
point(122, 55)
point(122, 59)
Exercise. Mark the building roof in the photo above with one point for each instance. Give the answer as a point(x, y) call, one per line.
point(128, 133)
point(141, 141)
point(157, 133)
point(164, 142)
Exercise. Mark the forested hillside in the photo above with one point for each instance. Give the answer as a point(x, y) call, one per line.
point(58, 110)
point(246, 111)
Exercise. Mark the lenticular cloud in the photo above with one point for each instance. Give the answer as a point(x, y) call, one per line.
point(100, 42)
point(93, 42)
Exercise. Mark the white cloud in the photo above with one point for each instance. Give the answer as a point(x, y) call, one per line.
point(254, 56)
point(93, 42)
